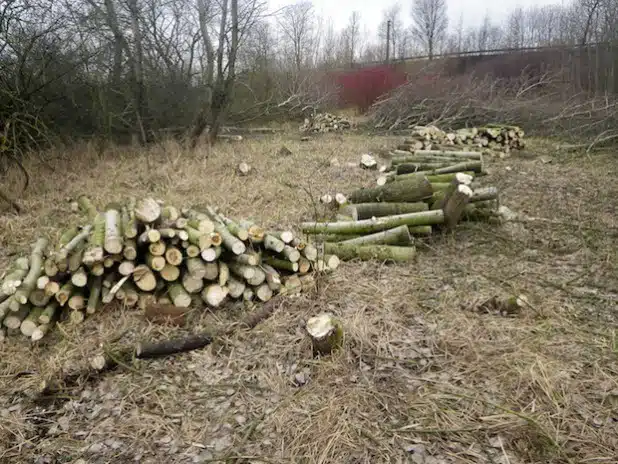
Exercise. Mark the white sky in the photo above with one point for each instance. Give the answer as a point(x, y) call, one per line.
point(371, 10)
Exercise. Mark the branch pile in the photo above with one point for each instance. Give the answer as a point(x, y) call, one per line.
point(492, 136)
point(325, 122)
point(143, 253)
point(425, 191)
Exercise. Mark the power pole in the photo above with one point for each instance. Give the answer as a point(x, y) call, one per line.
point(388, 40)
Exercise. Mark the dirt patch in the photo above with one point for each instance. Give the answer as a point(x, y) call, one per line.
point(423, 378)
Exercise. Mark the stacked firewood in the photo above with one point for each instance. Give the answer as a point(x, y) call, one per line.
point(145, 252)
point(325, 122)
point(494, 137)
point(423, 192)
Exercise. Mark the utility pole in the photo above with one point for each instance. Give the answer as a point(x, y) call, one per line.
point(388, 40)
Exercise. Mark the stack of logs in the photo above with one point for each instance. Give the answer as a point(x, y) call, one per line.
point(425, 191)
point(143, 253)
point(495, 137)
point(325, 122)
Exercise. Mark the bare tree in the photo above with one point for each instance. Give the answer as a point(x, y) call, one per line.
point(429, 24)
point(352, 37)
point(297, 25)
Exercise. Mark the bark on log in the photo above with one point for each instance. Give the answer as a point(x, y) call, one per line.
point(168, 347)
point(179, 296)
point(86, 207)
point(367, 226)
point(49, 313)
point(362, 211)
point(410, 190)
point(396, 236)
point(77, 241)
point(371, 252)
point(34, 272)
point(281, 264)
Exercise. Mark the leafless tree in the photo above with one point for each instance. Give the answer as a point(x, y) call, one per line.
point(429, 24)
point(297, 24)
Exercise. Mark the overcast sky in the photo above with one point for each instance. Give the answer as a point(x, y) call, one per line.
point(371, 10)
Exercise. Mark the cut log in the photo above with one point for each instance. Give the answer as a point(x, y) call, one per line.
point(149, 236)
point(232, 243)
point(235, 287)
point(156, 263)
point(40, 332)
point(179, 296)
point(80, 278)
point(64, 293)
point(15, 277)
point(263, 293)
point(52, 288)
point(129, 224)
point(310, 252)
point(170, 273)
point(396, 236)
point(199, 239)
point(272, 277)
point(371, 252)
point(257, 278)
point(475, 166)
point(459, 179)
point(366, 226)
point(243, 270)
point(485, 194)
point(196, 267)
point(159, 349)
point(167, 232)
point(77, 302)
point(210, 254)
point(326, 333)
point(38, 298)
point(368, 210)
point(157, 248)
point(273, 243)
point(420, 230)
point(49, 313)
point(281, 264)
point(341, 199)
point(170, 213)
point(173, 256)
point(126, 268)
point(236, 229)
point(214, 295)
point(250, 258)
point(130, 250)
point(456, 205)
point(192, 283)
point(113, 232)
point(31, 322)
point(36, 268)
point(42, 282)
point(212, 271)
point(248, 294)
point(224, 273)
point(14, 319)
point(147, 210)
point(291, 253)
point(286, 236)
point(411, 190)
point(304, 265)
point(95, 295)
point(76, 258)
point(144, 278)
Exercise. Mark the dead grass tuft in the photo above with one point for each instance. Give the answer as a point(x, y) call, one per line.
point(422, 378)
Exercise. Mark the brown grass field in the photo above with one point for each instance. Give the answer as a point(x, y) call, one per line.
point(422, 378)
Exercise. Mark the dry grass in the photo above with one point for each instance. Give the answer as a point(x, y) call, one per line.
point(422, 379)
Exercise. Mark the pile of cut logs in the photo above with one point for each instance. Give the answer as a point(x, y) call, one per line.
point(325, 122)
point(496, 137)
point(424, 191)
point(145, 252)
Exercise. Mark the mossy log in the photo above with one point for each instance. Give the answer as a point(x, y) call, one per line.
point(371, 252)
point(414, 189)
point(367, 226)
